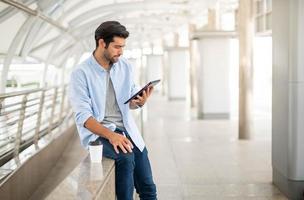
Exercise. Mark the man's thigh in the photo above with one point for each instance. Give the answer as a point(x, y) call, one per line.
point(109, 152)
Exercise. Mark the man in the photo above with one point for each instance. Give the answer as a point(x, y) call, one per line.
point(98, 89)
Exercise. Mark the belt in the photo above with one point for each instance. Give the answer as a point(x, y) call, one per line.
point(118, 130)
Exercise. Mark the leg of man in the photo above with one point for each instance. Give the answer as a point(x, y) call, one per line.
point(124, 170)
point(143, 178)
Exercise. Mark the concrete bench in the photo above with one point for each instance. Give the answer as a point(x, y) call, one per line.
point(88, 181)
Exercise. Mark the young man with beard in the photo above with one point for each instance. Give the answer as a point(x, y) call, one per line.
point(98, 89)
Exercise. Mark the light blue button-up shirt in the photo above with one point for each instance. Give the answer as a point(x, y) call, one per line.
point(87, 93)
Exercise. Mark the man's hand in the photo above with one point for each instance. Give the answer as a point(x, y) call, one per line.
point(121, 141)
point(141, 100)
point(117, 140)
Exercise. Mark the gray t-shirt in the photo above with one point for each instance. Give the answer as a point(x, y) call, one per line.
point(112, 111)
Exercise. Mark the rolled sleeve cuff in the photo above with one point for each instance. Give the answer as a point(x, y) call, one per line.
point(81, 119)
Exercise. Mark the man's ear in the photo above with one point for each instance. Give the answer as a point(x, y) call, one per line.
point(101, 43)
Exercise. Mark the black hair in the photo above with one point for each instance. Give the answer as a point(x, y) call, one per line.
point(109, 29)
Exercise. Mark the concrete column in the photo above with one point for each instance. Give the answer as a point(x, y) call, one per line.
point(176, 40)
point(288, 97)
point(142, 65)
point(246, 34)
point(193, 71)
point(44, 75)
point(154, 69)
point(177, 61)
point(212, 20)
point(213, 68)
point(136, 70)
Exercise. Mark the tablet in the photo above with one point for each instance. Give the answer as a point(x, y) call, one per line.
point(140, 92)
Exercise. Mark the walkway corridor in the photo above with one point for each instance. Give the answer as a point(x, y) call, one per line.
point(198, 160)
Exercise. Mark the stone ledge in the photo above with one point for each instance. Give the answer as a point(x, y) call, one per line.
point(88, 181)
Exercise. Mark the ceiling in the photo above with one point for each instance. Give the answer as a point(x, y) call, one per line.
point(53, 30)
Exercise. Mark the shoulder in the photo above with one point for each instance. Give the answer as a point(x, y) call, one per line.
point(77, 71)
point(80, 71)
point(83, 68)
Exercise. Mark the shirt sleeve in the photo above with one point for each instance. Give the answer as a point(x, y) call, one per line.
point(79, 97)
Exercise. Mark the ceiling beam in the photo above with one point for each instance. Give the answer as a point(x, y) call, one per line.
point(32, 12)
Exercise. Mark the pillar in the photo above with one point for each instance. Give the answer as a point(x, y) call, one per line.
point(288, 97)
point(154, 69)
point(246, 34)
point(177, 69)
point(213, 67)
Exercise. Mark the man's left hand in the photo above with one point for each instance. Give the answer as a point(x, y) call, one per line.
point(141, 100)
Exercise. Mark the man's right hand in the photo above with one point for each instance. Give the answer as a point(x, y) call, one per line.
point(121, 141)
point(117, 140)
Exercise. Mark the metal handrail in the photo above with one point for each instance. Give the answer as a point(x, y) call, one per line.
point(20, 93)
point(27, 116)
point(18, 103)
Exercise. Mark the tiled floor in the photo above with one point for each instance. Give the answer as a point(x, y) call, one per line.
point(203, 159)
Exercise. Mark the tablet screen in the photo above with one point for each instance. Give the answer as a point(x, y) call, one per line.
point(151, 83)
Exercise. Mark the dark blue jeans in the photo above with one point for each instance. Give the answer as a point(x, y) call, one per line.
point(131, 169)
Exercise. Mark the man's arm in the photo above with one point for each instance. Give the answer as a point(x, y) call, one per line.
point(117, 140)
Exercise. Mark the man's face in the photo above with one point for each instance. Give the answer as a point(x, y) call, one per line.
point(115, 49)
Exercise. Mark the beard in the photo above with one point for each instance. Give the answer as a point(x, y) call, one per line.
point(114, 59)
point(111, 59)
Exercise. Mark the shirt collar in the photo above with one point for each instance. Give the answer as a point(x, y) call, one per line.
point(96, 65)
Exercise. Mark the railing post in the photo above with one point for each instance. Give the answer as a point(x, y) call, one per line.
point(62, 107)
point(52, 112)
point(20, 126)
point(67, 120)
point(39, 114)
point(62, 103)
point(1, 100)
point(2, 132)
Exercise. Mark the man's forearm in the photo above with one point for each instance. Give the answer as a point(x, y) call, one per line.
point(94, 126)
